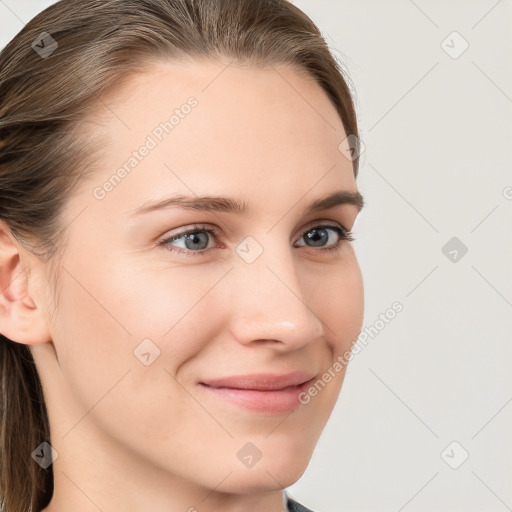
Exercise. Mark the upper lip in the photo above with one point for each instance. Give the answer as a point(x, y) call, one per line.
point(261, 381)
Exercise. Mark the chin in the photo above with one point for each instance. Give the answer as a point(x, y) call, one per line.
point(262, 480)
point(274, 471)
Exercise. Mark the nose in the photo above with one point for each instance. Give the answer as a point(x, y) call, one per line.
point(270, 304)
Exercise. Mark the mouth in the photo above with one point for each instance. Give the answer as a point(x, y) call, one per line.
point(264, 393)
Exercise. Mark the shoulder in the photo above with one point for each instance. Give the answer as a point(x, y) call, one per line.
point(294, 506)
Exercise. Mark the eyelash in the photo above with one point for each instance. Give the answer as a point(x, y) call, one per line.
point(344, 236)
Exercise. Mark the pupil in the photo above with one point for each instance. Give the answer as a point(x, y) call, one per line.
point(314, 234)
point(196, 239)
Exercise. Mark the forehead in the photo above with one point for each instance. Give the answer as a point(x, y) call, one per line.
point(250, 128)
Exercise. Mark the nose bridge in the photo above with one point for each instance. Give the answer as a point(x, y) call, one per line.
point(269, 302)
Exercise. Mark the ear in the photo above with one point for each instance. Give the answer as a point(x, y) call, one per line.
point(22, 318)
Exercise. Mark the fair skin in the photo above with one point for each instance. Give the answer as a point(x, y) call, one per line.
point(132, 437)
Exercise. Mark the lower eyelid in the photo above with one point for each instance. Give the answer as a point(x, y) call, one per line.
point(343, 234)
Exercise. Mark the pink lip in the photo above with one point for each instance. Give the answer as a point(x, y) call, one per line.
point(264, 392)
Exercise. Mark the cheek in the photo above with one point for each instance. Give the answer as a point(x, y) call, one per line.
point(171, 305)
point(338, 297)
point(99, 324)
point(106, 315)
point(91, 337)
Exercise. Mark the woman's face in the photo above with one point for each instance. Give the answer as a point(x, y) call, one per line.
point(143, 321)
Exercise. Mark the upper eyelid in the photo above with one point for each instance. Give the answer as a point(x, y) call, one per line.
point(324, 223)
point(216, 230)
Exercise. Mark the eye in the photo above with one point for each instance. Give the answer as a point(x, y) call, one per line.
point(195, 241)
point(322, 235)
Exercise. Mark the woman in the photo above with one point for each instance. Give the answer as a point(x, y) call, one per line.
point(178, 285)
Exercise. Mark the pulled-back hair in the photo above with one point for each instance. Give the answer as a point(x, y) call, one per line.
point(52, 76)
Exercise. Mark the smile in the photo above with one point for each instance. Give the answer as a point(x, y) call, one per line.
point(263, 393)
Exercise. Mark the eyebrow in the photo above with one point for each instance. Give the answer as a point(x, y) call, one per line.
point(226, 204)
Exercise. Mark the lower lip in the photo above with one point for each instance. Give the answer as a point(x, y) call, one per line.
point(266, 402)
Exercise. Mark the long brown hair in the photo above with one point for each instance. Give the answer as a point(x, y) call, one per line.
point(52, 74)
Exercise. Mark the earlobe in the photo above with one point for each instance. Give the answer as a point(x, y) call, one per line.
point(21, 318)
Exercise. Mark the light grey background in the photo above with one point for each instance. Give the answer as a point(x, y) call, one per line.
point(437, 131)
